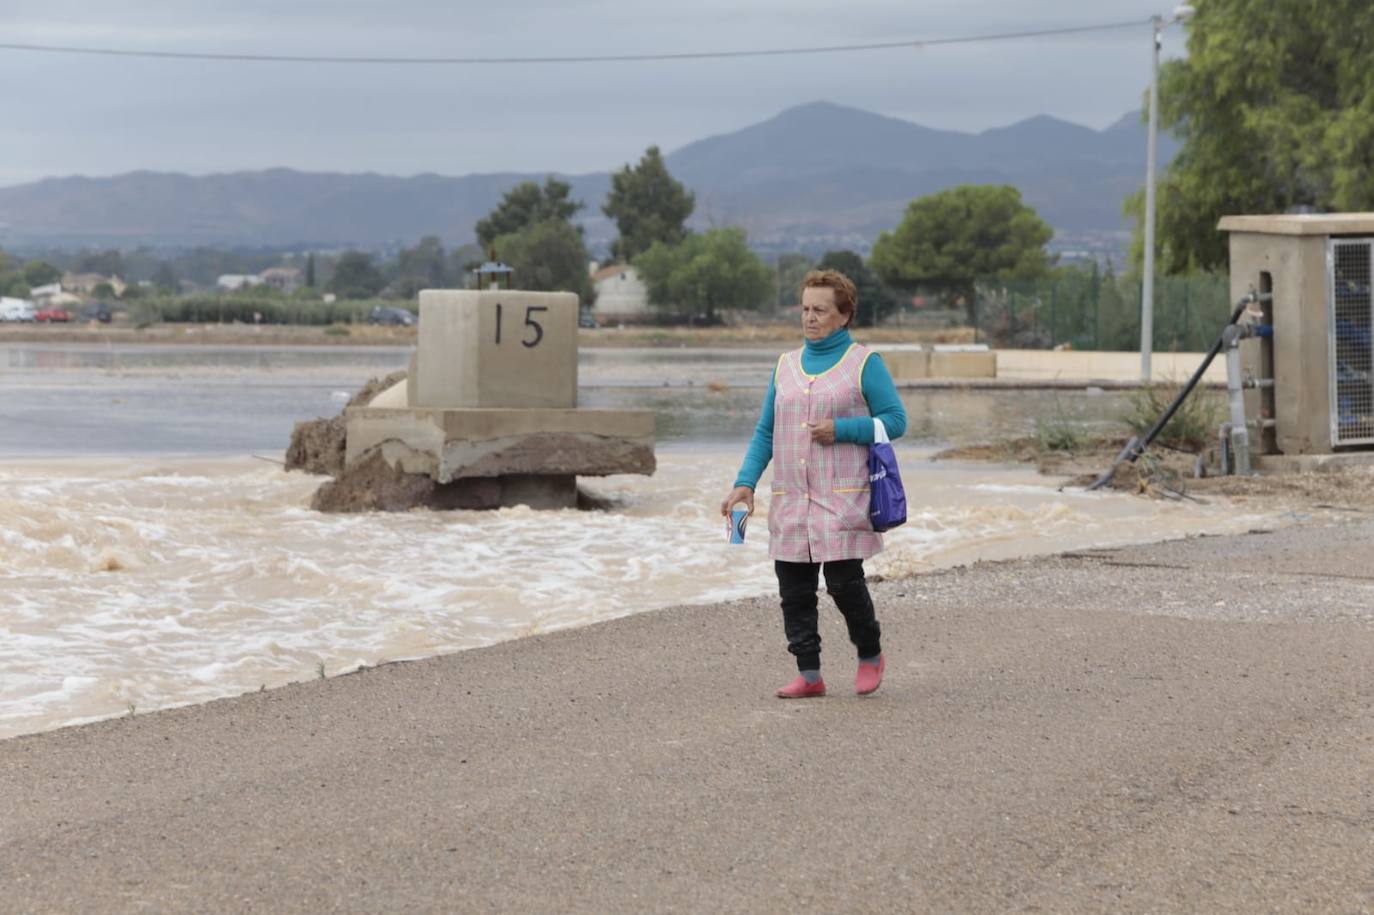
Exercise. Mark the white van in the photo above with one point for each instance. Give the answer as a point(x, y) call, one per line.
point(16, 309)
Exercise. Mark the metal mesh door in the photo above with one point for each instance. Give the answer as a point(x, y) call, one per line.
point(1350, 262)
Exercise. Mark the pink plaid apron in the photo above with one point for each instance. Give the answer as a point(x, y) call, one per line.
point(819, 510)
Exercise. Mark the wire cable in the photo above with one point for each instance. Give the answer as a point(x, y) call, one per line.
point(916, 44)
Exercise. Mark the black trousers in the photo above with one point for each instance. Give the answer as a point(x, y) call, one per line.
point(844, 580)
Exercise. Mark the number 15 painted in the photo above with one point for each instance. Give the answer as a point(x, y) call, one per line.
point(530, 323)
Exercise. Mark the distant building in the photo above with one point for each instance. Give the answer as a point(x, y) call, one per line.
point(51, 295)
point(42, 295)
point(619, 292)
point(85, 283)
point(286, 279)
point(232, 282)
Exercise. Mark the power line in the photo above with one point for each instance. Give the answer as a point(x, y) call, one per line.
point(915, 44)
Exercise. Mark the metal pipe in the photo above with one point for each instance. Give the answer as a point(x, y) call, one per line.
point(1240, 435)
point(1135, 447)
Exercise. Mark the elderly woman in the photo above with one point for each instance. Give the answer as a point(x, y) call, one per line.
point(816, 426)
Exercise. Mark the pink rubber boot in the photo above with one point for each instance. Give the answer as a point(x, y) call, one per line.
point(869, 677)
point(800, 689)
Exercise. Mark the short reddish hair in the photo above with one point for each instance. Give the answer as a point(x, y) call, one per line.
point(846, 295)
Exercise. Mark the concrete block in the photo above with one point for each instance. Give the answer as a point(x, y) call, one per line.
point(1320, 224)
point(1090, 365)
point(906, 364)
point(452, 444)
point(396, 397)
point(963, 365)
point(495, 348)
point(1311, 463)
point(412, 373)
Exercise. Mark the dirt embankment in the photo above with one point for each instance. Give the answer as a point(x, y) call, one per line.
point(317, 445)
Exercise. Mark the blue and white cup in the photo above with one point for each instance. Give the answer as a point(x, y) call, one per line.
point(739, 518)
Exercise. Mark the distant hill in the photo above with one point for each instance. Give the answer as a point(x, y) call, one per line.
point(823, 169)
point(816, 176)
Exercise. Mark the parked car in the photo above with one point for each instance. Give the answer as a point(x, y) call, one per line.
point(16, 309)
point(54, 315)
point(97, 312)
point(394, 317)
point(585, 319)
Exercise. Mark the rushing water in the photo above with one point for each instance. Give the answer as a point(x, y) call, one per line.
point(147, 560)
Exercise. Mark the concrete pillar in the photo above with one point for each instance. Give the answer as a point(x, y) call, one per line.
point(496, 348)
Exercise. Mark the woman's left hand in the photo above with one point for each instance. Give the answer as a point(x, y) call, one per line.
point(823, 432)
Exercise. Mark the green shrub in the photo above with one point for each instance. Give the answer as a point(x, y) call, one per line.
point(1059, 432)
point(1192, 427)
point(1058, 435)
point(264, 308)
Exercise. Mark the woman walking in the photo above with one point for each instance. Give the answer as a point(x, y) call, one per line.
point(816, 426)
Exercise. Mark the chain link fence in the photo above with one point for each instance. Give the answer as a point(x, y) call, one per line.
point(1087, 310)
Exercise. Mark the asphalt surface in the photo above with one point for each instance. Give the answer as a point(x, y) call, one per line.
point(1187, 727)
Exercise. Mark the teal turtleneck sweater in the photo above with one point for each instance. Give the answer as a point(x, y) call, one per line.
point(817, 356)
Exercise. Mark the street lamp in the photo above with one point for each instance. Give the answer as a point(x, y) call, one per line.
point(1147, 294)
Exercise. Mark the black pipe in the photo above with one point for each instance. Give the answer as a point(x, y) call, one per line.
point(1136, 446)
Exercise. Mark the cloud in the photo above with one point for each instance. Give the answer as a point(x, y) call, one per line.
point(98, 115)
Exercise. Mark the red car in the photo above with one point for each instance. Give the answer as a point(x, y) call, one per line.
point(53, 314)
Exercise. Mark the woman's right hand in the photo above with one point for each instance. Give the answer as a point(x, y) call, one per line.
point(738, 494)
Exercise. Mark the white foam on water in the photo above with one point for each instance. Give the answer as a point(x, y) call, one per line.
point(161, 582)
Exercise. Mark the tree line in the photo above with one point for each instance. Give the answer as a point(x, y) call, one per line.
point(945, 243)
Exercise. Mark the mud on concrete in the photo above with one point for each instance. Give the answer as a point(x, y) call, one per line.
point(318, 446)
point(1165, 473)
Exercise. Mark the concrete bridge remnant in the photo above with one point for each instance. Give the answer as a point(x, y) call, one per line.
point(487, 415)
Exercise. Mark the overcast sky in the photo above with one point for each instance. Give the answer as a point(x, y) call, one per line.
point(72, 114)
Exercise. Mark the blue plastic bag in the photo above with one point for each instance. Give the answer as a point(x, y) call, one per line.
point(886, 497)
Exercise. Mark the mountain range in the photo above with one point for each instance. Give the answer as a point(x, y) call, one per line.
point(813, 177)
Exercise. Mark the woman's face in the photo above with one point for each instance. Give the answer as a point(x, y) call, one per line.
point(820, 317)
